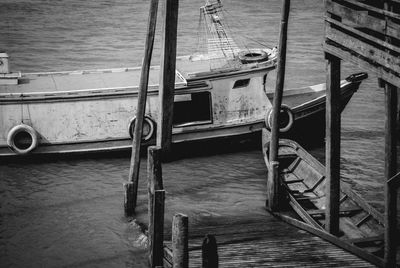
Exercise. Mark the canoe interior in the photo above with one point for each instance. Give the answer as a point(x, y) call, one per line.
point(304, 180)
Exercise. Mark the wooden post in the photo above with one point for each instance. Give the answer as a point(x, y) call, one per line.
point(209, 252)
point(131, 186)
point(180, 240)
point(332, 146)
point(154, 183)
point(167, 76)
point(390, 170)
point(273, 178)
point(157, 244)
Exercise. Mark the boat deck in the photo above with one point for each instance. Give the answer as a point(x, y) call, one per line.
point(83, 80)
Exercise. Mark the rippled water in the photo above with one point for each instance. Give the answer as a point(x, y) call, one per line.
point(60, 213)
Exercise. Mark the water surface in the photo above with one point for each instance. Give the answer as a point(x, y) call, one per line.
point(68, 213)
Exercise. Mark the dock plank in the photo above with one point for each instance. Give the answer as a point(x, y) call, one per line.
point(268, 243)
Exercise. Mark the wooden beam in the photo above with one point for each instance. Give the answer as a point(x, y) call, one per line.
point(180, 241)
point(361, 34)
point(167, 76)
point(358, 17)
point(273, 184)
point(157, 245)
point(390, 171)
point(154, 183)
point(332, 146)
point(362, 62)
point(371, 52)
point(373, 9)
point(131, 186)
point(334, 240)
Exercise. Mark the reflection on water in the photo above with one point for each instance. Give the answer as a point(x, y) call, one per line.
point(57, 213)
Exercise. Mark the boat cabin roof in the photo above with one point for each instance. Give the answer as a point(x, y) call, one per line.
point(84, 80)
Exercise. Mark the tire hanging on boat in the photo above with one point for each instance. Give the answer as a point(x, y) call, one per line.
point(22, 139)
point(148, 127)
point(286, 119)
point(252, 56)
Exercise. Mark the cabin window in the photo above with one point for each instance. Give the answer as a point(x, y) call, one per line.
point(241, 83)
point(192, 109)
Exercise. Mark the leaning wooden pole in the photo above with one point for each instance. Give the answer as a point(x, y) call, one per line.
point(391, 236)
point(131, 186)
point(167, 76)
point(332, 146)
point(273, 187)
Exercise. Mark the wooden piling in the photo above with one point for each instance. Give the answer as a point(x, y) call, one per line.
point(180, 240)
point(167, 76)
point(390, 170)
point(131, 186)
point(332, 145)
point(157, 244)
point(154, 183)
point(209, 252)
point(273, 179)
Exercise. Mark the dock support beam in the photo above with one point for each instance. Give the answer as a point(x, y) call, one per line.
point(167, 76)
point(157, 243)
point(131, 187)
point(156, 215)
point(332, 146)
point(180, 241)
point(273, 184)
point(390, 170)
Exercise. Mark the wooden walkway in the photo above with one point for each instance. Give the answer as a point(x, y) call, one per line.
point(268, 242)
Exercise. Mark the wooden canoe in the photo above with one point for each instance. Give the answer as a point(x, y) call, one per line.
point(303, 180)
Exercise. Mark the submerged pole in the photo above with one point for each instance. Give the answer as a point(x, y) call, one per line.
point(131, 186)
point(273, 178)
point(167, 76)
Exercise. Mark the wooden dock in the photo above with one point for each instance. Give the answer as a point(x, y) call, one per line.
point(247, 234)
point(266, 241)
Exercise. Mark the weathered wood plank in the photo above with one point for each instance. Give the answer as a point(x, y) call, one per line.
point(367, 37)
point(373, 9)
point(362, 62)
point(359, 17)
point(368, 51)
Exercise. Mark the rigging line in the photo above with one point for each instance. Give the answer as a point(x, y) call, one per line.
point(230, 30)
point(266, 44)
point(198, 32)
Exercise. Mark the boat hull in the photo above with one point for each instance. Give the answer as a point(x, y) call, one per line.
point(304, 185)
point(97, 121)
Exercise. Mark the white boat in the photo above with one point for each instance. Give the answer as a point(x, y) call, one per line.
point(218, 93)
